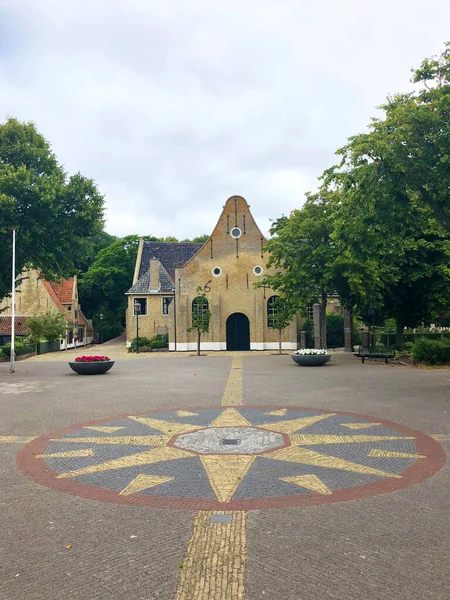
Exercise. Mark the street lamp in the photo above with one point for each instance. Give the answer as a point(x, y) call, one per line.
point(137, 312)
point(100, 316)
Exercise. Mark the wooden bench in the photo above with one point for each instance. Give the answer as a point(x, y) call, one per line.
point(364, 355)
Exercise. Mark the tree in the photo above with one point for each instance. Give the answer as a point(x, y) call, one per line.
point(102, 288)
point(201, 239)
point(280, 317)
point(302, 254)
point(201, 316)
point(52, 212)
point(50, 327)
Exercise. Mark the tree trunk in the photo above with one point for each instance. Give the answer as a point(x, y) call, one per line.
point(279, 331)
point(199, 335)
point(323, 320)
point(399, 325)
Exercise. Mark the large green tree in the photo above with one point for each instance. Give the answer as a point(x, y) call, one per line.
point(52, 212)
point(302, 255)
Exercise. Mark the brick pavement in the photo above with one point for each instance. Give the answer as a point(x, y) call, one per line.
point(371, 548)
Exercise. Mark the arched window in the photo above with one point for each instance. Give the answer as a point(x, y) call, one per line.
point(200, 308)
point(272, 307)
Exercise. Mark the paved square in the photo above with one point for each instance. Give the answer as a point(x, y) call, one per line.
point(336, 485)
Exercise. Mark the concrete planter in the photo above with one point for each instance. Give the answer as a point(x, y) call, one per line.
point(91, 368)
point(311, 360)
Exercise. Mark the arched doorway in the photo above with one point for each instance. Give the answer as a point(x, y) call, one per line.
point(238, 332)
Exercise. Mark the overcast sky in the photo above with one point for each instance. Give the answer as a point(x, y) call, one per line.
point(173, 106)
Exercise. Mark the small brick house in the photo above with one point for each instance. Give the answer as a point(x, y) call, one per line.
point(168, 275)
point(36, 296)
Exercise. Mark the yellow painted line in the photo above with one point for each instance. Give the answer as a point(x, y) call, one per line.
point(277, 413)
point(143, 482)
point(303, 456)
point(215, 561)
point(310, 482)
point(131, 440)
point(166, 426)
point(359, 425)
point(305, 439)
point(225, 473)
point(230, 418)
point(441, 437)
point(186, 413)
point(148, 457)
point(69, 454)
point(389, 454)
point(233, 389)
point(103, 429)
point(294, 425)
point(15, 439)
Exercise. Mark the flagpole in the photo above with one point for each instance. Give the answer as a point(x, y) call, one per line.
point(13, 297)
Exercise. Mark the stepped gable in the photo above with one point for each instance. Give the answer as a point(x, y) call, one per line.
point(170, 255)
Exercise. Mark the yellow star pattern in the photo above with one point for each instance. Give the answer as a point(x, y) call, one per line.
point(226, 471)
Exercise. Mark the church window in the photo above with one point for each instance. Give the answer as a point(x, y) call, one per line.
point(200, 306)
point(257, 270)
point(272, 311)
point(143, 304)
point(166, 300)
point(217, 271)
point(236, 233)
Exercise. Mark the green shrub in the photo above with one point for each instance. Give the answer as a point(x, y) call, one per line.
point(159, 341)
point(432, 352)
point(143, 342)
point(20, 347)
point(408, 346)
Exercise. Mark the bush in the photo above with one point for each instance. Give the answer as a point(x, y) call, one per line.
point(432, 352)
point(20, 347)
point(408, 346)
point(146, 344)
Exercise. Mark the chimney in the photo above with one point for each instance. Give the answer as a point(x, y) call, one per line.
point(154, 275)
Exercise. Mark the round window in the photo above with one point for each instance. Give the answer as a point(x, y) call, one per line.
point(217, 271)
point(257, 270)
point(236, 233)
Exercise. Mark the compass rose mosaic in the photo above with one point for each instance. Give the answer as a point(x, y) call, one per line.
point(232, 458)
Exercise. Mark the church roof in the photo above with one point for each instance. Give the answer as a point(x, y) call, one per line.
point(142, 286)
point(64, 290)
point(170, 255)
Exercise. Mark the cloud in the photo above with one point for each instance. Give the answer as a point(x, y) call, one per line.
point(173, 107)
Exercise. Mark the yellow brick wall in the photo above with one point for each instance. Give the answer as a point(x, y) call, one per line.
point(149, 324)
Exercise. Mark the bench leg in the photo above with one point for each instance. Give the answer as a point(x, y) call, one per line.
point(363, 359)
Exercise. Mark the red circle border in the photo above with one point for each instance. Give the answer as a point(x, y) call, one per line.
point(422, 469)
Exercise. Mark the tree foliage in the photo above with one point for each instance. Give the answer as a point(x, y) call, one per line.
point(50, 327)
point(52, 212)
point(301, 256)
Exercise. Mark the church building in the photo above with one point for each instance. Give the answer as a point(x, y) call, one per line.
point(168, 276)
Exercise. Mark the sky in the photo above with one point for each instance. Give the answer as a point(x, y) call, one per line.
point(172, 107)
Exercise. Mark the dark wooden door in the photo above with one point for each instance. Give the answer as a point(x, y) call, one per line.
point(238, 332)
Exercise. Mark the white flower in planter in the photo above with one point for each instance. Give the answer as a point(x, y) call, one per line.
point(311, 352)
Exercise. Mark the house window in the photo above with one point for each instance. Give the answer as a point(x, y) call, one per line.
point(76, 314)
point(272, 311)
point(199, 307)
point(165, 304)
point(81, 334)
point(143, 304)
point(310, 312)
point(236, 233)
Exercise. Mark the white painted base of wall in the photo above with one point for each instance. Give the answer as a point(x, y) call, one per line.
point(217, 346)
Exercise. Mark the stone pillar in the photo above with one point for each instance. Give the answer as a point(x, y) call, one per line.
point(302, 340)
point(365, 337)
point(317, 327)
point(348, 329)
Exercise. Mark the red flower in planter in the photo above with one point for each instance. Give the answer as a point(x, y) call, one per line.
point(92, 359)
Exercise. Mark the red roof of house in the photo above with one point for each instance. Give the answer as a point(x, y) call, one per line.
point(64, 290)
point(20, 325)
point(56, 300)
point(83, 321)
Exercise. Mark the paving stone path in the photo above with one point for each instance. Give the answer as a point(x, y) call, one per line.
point(252, 474)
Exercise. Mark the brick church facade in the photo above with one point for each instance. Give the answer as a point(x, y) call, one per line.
point(167, 277)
